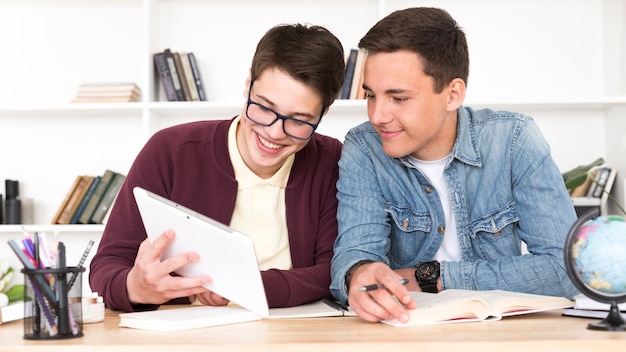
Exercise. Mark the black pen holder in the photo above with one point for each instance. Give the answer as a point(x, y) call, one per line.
point(53, 303)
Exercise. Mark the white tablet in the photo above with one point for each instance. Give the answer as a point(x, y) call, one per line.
point(227, 256)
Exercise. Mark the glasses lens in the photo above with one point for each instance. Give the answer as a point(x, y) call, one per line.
point(260, 115)
point(297, 128)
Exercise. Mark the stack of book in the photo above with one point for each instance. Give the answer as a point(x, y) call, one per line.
point(89, 199)
point(108, 92)
point(179, 75)
point(586, 307)
point(353, 83)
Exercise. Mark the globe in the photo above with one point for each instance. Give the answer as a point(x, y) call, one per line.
point(595, 258)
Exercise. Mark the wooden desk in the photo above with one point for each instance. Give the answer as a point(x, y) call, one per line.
point(535, 332)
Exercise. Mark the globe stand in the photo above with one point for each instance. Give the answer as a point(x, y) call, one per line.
point(613, 322)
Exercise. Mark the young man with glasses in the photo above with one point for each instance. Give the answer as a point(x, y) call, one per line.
point(264, 172)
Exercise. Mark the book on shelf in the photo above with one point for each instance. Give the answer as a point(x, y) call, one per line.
point(165, 76)
point(105, 87)
point(169, 56)
point(85, 200)
point(100, 92)
point(105, 180)
point(191, 83)
point(106, 100)
point(77, 195)
point(357, 78)
point(195, 69)
point(592, 188)
point(586, 307)
point(66, 199)
point(457, 306)
point(349, 74)
point(181, 76)
point(605, 176)
point(107, 199)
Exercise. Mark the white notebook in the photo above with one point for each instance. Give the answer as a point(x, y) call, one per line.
point(195, 317)
point(192, 317)
point(226, 255)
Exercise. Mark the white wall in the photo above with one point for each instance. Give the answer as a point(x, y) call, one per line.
point(523, 54)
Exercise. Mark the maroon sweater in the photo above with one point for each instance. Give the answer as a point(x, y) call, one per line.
point(190, 165)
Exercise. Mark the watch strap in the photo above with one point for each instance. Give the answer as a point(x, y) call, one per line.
point(430, 288)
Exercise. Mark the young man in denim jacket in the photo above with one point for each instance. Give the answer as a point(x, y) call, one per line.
point(437, 193)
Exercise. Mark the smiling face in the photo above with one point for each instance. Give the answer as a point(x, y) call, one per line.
point(410, 117)
point(264, 149)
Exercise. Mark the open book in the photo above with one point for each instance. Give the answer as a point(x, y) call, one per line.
point(457, 306)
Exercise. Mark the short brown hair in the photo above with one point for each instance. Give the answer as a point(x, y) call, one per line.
point(430, 32)
point(309, 54)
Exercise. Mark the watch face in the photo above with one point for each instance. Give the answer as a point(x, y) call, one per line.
point(426, 271)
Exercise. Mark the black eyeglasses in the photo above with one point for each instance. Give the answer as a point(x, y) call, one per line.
point(264, 116)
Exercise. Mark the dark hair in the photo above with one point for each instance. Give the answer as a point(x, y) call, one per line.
point(309, 54)
point(430, 32)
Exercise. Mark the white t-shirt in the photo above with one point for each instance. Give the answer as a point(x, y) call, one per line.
point(433, 170)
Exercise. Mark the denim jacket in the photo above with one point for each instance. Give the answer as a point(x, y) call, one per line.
point(504, 187)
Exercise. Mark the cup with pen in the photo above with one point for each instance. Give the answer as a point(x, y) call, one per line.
point(52, 293)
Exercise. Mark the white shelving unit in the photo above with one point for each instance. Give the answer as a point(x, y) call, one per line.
point(569, 74)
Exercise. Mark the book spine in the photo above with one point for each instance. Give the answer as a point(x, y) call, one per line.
point(191, 83)
point(169, 56)
point(609, 183)
point(357, 78)
point(160, 63)
point(181, 76)
point(349, 74)
point(77, 196)
point(105, 180)
point(85, 200)
point(602, 177)
point(196, 76)
point(68, 195)
point(107, 199)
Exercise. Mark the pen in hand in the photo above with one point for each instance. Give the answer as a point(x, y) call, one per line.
point(377, 286)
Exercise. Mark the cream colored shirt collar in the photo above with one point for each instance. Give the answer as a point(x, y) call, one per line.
point(260, 210)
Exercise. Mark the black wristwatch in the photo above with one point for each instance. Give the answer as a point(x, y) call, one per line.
point(426, 275)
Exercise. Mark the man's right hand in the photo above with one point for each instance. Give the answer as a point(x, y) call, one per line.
point(149, 280)
point(379, 304)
